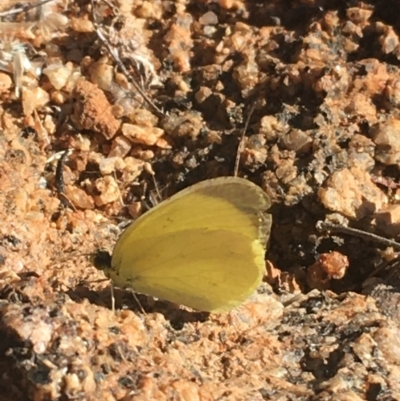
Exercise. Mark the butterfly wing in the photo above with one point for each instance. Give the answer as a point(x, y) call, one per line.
point(203, 248)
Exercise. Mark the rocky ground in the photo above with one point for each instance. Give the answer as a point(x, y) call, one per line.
point(152, 96)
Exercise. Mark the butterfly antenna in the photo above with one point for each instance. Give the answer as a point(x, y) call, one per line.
point(156, 188)
point(242, 140)
point(154, 196)
point(119, 192)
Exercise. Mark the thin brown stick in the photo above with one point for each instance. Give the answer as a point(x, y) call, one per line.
point(385, 265)
point(128, 76)
point(23, 9)
point(332, 227)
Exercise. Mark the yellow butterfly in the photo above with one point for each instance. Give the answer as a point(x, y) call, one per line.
point(204, 247)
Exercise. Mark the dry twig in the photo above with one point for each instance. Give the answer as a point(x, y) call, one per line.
point(115, 56)
point(23, 8)
point(338, 228)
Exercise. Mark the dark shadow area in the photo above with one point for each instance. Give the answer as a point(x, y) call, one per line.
point(125, 299)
